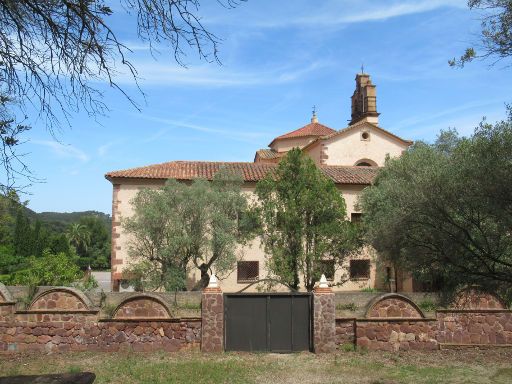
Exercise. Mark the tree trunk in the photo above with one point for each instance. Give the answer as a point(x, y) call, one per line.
point(205, 278)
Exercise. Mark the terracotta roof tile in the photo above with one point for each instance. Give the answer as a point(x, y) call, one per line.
point(269, 154)
point(189, 170)
point(312, 129)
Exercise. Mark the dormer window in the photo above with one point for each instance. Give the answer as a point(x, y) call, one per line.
point(365, 136)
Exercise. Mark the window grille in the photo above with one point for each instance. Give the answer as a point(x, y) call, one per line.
point(248, 271)
point(360, 269)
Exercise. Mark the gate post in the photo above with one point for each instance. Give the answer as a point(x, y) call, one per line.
point(324, 321)
point(212, 317)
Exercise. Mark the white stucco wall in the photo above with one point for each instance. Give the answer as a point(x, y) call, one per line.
point(348, 148)
point(284, 145)
point(252, 252)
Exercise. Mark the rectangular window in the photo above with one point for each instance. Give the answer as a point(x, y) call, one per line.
point(326, 267)
point(356, 217)
point(248, 271)
point(360, 269)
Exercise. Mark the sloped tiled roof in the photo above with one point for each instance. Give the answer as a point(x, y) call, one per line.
point(189, 170)
point(269, 154)
point(312, 129)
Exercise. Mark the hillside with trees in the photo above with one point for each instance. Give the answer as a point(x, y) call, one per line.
point(32, 243)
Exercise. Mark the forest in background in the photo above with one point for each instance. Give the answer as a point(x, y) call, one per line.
point(33, 246)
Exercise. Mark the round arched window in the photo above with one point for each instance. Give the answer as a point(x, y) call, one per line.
point(363, 164)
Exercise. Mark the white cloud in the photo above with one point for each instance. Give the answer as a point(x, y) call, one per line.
point(62, 150)
point(164, 74)
point(327, 13)
point(246, 135)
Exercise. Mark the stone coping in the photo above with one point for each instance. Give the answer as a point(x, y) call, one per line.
point(57, 311)
point(475, 310)
point(395, 319)
point(149, 320)
point(486, 346)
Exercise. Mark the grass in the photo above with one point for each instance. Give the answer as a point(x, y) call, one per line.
point(427, 305)
point(346, 307)
point(489, 366)
point(189, 305)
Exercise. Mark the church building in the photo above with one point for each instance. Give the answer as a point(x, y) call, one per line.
point(350, 156)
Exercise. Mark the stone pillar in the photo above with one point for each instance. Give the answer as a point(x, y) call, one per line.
point(324, 324)
point(212, 318)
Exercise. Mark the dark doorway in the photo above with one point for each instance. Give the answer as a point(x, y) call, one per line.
point(271, 322)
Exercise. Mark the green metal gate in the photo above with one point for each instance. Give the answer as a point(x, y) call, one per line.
point(272, 322)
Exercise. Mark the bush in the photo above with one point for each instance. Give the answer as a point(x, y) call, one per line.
point(427, 305)
point(50, 269)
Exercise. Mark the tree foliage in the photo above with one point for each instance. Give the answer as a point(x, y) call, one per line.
point(55, 57)
point(496, 35)
point(53, 52)
point(303, 221)
point(10, 138)
point(444, 211)
point(50, 269)
point(182, 225)
point(25, 240)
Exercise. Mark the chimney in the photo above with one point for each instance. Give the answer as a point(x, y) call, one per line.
point(364, 101)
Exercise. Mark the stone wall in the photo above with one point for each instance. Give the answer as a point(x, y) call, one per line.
point(474, 327)
point(394, 323)
point(65, 319)
point(324, 321)
point(345, 331)
point(62, 319)
point(396, 335)
point(212, 313)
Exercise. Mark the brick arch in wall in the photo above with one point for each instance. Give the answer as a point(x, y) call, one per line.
point(473, 298)
point(142, 306)
point(61, 299)
point(393, 305)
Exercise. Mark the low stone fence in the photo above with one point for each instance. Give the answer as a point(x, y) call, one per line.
point(66, 319)
point(393, 322)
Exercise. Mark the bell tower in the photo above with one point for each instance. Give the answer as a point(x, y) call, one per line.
point(364, 101)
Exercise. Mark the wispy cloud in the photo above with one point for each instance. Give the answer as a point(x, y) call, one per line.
point(63, 150)
point(246, 135)
point(329, 13)
point(164, 74)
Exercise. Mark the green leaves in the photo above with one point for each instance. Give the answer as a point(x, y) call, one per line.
point(181, 226)
point(50, 269)
point(444, 211)
point(303, 218)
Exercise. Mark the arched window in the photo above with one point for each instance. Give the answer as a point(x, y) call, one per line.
point(365, 163)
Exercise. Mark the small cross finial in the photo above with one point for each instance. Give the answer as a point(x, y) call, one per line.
point(314, 119)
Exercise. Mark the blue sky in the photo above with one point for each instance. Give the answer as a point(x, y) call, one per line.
point(277, 62)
